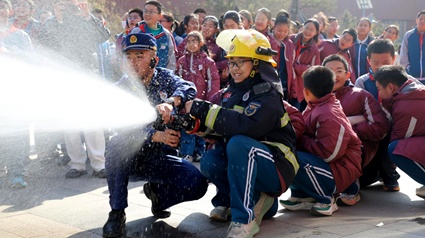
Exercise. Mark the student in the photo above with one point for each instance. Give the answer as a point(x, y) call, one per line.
point(340, 46)
point(359, 49)
point(14, 147)
point(329, 152)
point(135, 15)
point(246, 19)
point(391, 33)
point(231, 20)
point(412, 53)
point(201, 13)
point(152, 12)
point(209, 29)
point(197, 67)
point(167, 21)
point(253, 160)
point(22, 19)
point(379, 52)
point(190, 23)
point(306, 55)
point(262, 24)
point(286, 55)
point(323, 24)
point(404, 99)
point(332, 29)
point(364, 113)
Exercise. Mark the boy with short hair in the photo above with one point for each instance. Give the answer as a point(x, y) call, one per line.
point(412, 53)
point(403, 98)
point(329, 151)
point(340, 46)
point(363, 111)
point(379, 52)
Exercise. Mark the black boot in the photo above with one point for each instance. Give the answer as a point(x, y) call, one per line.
point(155, 209)
point(115, 226)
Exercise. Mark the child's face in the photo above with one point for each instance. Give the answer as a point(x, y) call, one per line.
point(378, 60)
point(192, 25)
point(309, 31)
point(391, 34)
point(261, 21)
point(281, 31)
point(345, 41)
point(245, 23)
point(133, 19)
point(385, 92)
point(193, 44)
point(230, 24)
point(208, 29)
point(333, 27)
point(363, 28)
point(341, 75)
point(420, 23)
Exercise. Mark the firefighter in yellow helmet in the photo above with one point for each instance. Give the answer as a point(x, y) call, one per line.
point(253, 161)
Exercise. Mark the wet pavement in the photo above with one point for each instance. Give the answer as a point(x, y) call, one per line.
point(53, 206)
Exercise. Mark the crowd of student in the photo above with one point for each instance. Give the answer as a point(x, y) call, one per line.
point(291, 105)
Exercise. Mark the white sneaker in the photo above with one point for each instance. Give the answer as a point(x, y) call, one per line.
point(421, 192)
point(348, 199)
point(239, 230)
point(188, 158)
point(220, 213)
point(294, 203)
point(321, 209)
point(262, 206)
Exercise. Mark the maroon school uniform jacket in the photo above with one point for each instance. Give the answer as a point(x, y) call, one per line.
point(308, 57)
point(296, 117)
point(357, 101)
point(407, 108)
point(201, 70)
point(329, 135)
point(216, 53)
point(331, 47)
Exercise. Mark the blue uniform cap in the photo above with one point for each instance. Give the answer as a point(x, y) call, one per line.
point(139, 41)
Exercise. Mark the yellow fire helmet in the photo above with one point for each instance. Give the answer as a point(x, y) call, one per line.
point(246, 43)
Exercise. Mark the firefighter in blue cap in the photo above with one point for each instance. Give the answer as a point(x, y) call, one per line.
point(170, 180)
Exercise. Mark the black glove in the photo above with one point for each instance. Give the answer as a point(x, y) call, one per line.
point(200, 109)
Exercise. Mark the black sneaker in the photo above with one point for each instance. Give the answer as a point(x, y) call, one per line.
point(63, 160)
point(100, 174)
point(155, 209)
point(115, 226)
point(73, 173)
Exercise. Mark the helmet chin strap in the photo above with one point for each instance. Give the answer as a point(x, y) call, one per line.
point(255, 62)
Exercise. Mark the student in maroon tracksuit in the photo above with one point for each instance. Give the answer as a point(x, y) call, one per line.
point(404, 98)
point(365, 115)
point(340, 46)
point(329, 152)
point(306, 55)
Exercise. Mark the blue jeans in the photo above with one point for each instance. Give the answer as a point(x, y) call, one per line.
point(191, 144)
point(241, 170)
